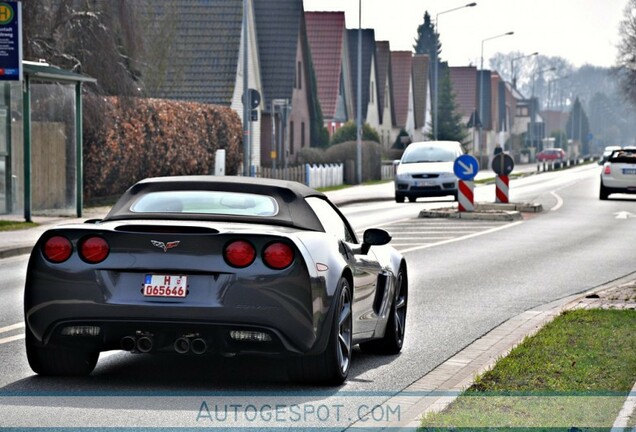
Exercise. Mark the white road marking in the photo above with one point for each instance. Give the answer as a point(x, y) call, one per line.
point(510, 225)
point(11, 327)
point(559, 203)
point(11, 339)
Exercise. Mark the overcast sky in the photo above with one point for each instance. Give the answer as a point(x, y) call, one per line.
point(581, 31)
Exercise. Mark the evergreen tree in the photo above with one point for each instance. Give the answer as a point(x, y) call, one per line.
point(578, 126)
point(427, 42)
point(450, 124)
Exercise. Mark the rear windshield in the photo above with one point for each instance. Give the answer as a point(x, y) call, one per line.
point(429, 154)
point(206, 202)
point(623, 156)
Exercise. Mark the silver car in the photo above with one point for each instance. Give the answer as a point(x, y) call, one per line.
point(426, 170)
point(619, 173)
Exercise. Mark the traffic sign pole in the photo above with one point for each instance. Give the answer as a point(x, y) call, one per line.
point(465, 197)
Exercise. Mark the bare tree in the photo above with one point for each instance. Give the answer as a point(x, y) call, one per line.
point(95, 37)
point(627, 52)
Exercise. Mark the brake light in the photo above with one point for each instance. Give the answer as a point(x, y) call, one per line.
point(607, 170)
point(239, 253)
point(57, 249)
point(278, 256)
point(94, 250)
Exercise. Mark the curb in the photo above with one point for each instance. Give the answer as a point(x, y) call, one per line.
point(486, 211)
point(442, 385)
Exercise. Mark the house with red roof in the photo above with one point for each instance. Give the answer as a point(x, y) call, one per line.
point(327, 35)
point(401, 66)
point(384, 93)
point(368, 82)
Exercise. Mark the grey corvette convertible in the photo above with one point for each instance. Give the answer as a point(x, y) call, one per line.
point(215, 265)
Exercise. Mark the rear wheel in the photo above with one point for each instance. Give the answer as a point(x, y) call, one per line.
point(58, 361)
point(393, 338)
point(603, 192)
point(412, 199)
point(332, 366)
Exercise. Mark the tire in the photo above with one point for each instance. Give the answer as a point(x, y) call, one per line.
point(412, 199)
point(603, 193)
point(399, 198)
point(331, 367)
point(393, 339)
point(456, 196)
point(51, 361)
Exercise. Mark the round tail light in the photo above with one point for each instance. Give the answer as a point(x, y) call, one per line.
point(239, 253)
point(278, 255)
point(57, 249)
point(94, 250)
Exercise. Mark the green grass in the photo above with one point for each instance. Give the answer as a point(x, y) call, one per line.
point(6, 225)
point(576, 371)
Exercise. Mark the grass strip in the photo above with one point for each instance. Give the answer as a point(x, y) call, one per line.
point(575, 372)
point(6, 225)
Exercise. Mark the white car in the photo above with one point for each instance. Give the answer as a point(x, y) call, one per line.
point(619, 173)
point(426, 170)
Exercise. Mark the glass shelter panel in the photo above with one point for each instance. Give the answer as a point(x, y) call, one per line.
point(53, 154)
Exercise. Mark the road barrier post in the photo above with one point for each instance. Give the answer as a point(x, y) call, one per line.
point(465, 197)
point(501, 192)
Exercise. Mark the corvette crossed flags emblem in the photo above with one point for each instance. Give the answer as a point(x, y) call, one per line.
point(165, 246)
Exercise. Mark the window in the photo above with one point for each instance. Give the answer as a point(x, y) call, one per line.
point(331, 220)
point(206, 202)
point(302, 135)
point(299, 78)
point(291, 137)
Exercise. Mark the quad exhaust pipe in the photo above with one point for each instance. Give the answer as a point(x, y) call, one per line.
point(144, 344)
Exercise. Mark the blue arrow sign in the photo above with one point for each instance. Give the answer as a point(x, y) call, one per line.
point(466, 167)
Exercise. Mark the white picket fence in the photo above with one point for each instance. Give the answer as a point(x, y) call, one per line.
point(321, 176)
point(314, 176)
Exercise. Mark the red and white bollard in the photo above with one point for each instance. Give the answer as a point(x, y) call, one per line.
point(465, 199)
point(502, 190)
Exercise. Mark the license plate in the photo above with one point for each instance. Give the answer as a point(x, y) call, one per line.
point(425, 183)
point(165, 285)
point(630, 171)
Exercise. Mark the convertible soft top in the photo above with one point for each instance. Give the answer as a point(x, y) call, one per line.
point(290, 197)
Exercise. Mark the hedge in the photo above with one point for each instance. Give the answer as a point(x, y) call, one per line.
point(126, 140)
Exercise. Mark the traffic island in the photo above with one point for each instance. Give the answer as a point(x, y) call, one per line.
point(485, 211)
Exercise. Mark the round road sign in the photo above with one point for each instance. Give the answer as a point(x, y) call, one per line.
point(466, 167)
point(502, 164)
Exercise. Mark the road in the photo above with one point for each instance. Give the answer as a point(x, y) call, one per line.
point(466, 277)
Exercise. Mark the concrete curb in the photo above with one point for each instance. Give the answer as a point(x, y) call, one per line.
point(437, 389)
point(486, 211)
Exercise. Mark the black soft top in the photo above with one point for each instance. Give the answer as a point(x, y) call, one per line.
point(290, 196)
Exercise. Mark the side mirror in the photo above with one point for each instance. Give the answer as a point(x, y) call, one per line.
point(396, 162)
point(374, 237)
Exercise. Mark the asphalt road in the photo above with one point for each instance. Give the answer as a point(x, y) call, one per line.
point(465, 279)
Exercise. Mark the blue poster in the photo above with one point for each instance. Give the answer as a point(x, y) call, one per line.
point(10, 41)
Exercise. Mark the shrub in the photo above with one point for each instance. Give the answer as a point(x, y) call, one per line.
point(348, 133)
point(131, 139)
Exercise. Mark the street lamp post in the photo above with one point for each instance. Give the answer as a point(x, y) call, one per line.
point(359, 101)
point(512, 67)
point(481, 83)
point(436, 70)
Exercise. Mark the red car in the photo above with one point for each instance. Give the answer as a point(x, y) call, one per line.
point(551, 154)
